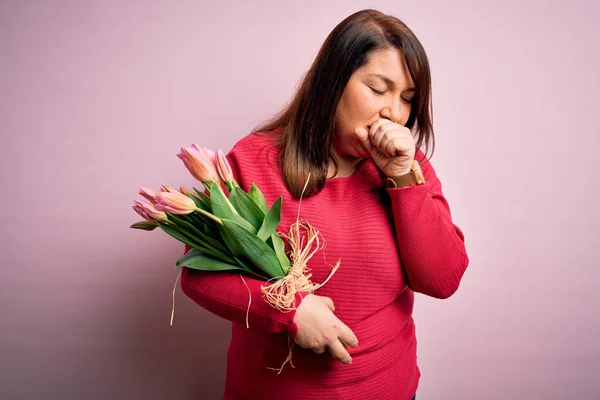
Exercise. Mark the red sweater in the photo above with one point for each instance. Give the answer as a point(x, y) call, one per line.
point(391, 242)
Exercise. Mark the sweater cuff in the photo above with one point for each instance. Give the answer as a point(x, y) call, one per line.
point(412, 190)
point(293, 328)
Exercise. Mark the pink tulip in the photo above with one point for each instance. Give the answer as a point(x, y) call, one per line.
point(149, 194)
point(167, 188)
point(175, 203)
point(148, 211)
point(200, 162)
point(142, 213)
point(223, 167)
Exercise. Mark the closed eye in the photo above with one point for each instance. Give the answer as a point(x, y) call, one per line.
point(377, 92)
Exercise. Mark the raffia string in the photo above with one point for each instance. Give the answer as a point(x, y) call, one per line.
point(288, 358)
point(173, 307)
point(249, 302)
point(304, 241)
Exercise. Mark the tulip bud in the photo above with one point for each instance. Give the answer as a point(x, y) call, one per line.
point(175, 203)
point(223, 167)
point(200, 163)
point(149, 194)
point(142, 213)
point(167, 188)
point(148, 211)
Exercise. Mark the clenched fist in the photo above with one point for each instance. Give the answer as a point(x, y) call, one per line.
point(391, 145)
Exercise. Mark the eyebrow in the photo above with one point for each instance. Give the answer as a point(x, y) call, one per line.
point(391, 83)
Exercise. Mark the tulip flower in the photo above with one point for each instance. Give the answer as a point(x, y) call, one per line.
point(167, 188)
point(149, 194)
point(200, 162)
point(224, 170)
point(148, 211)
point(175, 203)
point(179, 204)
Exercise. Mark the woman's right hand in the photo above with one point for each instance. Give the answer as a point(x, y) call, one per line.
point(320, 330)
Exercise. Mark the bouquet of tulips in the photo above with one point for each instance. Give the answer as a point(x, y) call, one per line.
point(229, 229)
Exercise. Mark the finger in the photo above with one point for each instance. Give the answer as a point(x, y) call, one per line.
point(376, 125)
point(375, 133)
point(338, 352)
point(328, 302)
point(377, 154)
point(346, 336)
point(393, 147)
point(381, 134)
point(319, 350)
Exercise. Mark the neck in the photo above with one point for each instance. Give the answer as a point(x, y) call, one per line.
point(345, 165)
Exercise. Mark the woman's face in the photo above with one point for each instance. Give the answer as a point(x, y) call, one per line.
point(382, 88)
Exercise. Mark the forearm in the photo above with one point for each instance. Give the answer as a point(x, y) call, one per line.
point(431, 246)
point(237, 298)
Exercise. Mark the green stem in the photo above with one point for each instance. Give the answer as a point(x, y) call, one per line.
point(209, 215)
point(231, 207)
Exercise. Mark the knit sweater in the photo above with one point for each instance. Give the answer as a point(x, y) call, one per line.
point(391, 242)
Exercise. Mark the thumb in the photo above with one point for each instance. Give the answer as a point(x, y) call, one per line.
point(328, 302)
point(363, 136)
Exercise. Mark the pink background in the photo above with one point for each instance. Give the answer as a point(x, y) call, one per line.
point(97, 97)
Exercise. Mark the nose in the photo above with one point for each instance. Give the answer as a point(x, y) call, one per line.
point(392, 112)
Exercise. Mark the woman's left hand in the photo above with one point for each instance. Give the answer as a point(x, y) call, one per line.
point(391, 145)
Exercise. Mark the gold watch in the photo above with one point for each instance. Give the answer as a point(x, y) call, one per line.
point(414, 176)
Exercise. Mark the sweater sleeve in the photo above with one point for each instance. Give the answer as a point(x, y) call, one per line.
point(225, 294)
point(236, 297)
point(431, 246)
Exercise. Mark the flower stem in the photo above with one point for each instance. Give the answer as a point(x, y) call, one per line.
point(209, 215)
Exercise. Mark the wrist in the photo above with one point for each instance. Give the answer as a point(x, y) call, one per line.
point(412, 177)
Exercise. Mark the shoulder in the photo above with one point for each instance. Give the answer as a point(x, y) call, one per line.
point(254, 145)
point(254, 157)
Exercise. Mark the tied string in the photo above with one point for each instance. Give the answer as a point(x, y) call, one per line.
point(282, 293)
point(305, 241)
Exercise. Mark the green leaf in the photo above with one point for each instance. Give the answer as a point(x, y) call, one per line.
point(197, 260)
point(271, 221)
point(144, 225)
point(248, 246)
point(197, 233)
point(279, 246)
point(258, 198)
point(246, 207)
point(178, 235)
point(222, 208)
point(194, 243)
point(203, 196)
point(199, 202)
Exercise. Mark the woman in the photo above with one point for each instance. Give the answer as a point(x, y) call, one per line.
point(356, 125)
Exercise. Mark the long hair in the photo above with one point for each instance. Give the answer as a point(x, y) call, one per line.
point(305, 127)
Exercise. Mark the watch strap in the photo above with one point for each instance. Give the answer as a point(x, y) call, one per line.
point(414, 176)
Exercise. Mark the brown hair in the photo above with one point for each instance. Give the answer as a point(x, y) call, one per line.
point(307, 122)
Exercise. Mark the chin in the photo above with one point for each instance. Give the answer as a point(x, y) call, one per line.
point(363, 154)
